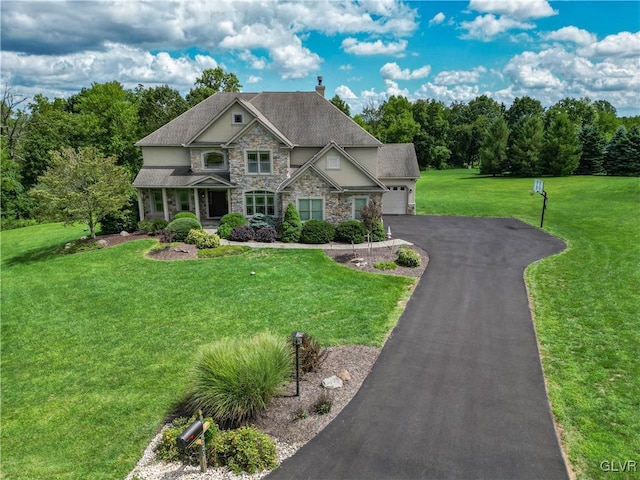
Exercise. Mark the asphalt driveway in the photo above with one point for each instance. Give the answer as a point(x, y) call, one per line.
point(458, 390)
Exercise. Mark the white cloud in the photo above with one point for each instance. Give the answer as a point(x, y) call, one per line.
point(353, 46)
point(556, 73)
point(257, 63)
point(459, 93)
point(488, 26)
point(455, 77)
point(253, 79)
point(437, 19)
point(572, 34)
point(345, 93)
point(391, 71)
point(520, 9)
point(392, 89)
point(346, 67)
point(128, 65)
point(623, 44)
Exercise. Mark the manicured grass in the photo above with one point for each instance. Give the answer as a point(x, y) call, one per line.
point(585, 300)
point(95, 346)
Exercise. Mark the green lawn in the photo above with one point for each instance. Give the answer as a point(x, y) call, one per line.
point(586, 300)
point(95, 346)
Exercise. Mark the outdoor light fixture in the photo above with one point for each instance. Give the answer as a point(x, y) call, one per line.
point(296, 338)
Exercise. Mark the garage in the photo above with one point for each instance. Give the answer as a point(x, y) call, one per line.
point(395, 200)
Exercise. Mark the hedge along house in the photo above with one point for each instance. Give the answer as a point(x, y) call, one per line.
point(256, 152)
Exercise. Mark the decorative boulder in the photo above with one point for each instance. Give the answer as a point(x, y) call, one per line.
point(124, 233)
point(344, 375)
point(332, 383)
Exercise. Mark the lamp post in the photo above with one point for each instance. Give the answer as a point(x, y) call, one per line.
point(296, 337)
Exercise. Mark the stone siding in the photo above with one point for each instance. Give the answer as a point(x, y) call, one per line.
point(257, 138)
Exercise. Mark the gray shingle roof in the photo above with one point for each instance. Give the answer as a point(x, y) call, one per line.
point(398, 160)
point(305, 118)
point(168, 177)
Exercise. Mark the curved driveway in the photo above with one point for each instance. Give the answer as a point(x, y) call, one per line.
point(458, 390)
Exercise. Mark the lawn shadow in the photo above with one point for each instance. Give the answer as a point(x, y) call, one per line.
point(33, 256)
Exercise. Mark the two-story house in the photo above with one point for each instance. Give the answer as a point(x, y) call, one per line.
point(256, 152)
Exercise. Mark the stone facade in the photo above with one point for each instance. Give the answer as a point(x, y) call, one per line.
point(257, 139)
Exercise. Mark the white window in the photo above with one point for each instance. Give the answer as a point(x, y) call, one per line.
point(214, 161)
point(259, 162)
point(358, 203)
point(157, 203)
point(260, 201)
point(183, 200)
point(333, 162)
point(238, 118)
point(309, 208)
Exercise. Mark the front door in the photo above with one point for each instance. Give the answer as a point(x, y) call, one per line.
point(217, 200)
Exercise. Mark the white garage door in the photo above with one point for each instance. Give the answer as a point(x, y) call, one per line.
point(395, 201)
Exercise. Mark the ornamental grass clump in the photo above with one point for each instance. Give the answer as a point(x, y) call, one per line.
point(234, 379)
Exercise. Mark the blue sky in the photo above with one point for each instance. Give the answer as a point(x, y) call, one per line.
point(366, 50)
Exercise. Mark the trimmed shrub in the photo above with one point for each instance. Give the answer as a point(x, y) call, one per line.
point(167, 449)
point(224, 230)
point(291, 227)
point(159, 224)
point(228, 222)
point(266, 235)
point(243, 233)
point(351, 231)
point(317, 231)
point(223, 251)
point(185, 215)
point(234, 379)
point(233, 219)
point(180, 228)
point(260, 220)
point(408, 258)
point(202, 239)
point(145, 226)
point(246, 449)
point(116, 223)
point(312, 356)
point(385, 265)
point(378, 234)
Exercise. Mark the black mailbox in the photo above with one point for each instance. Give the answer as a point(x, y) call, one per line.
point(190, 435)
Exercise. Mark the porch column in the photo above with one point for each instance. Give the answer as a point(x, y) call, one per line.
point(140, 203)
point(196, 192)
point(165, 204)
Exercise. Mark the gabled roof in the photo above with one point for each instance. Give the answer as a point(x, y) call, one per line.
point(398, 160)
point(178, 177)
point(310, 164)
point(304, 118)
point(183, 128)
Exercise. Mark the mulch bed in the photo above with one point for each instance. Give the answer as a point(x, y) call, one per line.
point(357, 259)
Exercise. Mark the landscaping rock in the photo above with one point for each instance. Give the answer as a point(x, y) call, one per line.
point(124, 234)
point(103, 243)
point(332, 383)
point(344, 375)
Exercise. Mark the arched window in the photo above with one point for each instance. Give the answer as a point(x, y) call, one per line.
point(214, 161)
point(260, 201)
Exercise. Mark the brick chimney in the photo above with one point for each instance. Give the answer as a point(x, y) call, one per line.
point(320, 87)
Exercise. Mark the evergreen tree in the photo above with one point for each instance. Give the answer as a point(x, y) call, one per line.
point(526, 144)
point(561, 146)
point(622, 153)
point(493, 149)
point(291, 227)
point(593, 144)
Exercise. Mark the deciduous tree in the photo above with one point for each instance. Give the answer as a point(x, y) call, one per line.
point(213, 80)
point(81, 185)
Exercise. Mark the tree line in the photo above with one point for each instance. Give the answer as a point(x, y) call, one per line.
point(574, 136)
point(571, 137)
